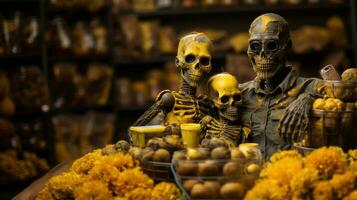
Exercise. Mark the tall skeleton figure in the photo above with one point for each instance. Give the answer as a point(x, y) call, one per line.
point(276, 104)
point(224, 93)
point(173, 108)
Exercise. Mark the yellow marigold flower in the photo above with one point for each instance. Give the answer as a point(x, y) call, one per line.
point(353, 167)
point(44, 195)
point(166, 191)
point(343, 184)
point(120, 198)
point(267, 190)
point(283, 154)
point(352, 155)
point(351, 196)
point(303, 182)
point(104, 171)
point(327, 160)
point(85, 163)
point(93, 190)
point(62, 187)
point(130, 179)
point(139, 194)
point(322, 191)
point(119, 160)
point(282, 170)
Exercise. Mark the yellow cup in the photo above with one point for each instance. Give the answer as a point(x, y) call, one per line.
point(190, 134)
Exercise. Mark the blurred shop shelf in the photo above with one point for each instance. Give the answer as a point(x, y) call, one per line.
point(77, 11)
point(132, 108)
point(157, 59)
point(78, 58)
point(24, 114)
point(239, 9)
point(83, 109)
point(25, 58)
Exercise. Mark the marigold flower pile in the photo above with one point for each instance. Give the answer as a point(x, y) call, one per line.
point(325, 174)
point(15, 166)
point(99, 176)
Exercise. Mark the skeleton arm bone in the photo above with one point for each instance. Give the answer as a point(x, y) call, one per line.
point(157, 112)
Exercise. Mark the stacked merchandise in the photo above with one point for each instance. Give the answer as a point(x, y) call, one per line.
point(73, 89)
point(144, 39)
point(91, 5)
point(23, 139)
point(131, 92)
point(334, 116)
point(19, 34)
point(153, 5)
point(218, 173)
point(76, 135)
point(81, 39)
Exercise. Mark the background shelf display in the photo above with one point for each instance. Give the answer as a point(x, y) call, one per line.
point(137, 70)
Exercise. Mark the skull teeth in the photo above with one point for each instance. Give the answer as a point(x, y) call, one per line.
point(194, 77)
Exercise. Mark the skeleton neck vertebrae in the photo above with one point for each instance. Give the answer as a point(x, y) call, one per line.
point(187, 89)
point(270, 84)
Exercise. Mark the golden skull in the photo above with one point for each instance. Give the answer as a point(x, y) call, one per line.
point(194, 57)
point(224, 92)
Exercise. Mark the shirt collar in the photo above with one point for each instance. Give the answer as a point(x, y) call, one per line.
point(284, 86)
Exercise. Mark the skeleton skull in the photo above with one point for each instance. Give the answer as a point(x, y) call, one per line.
point(194, 57)
point(224, 92)
point(268, 44)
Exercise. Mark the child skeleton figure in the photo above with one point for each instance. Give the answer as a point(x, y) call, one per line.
point(224, 93)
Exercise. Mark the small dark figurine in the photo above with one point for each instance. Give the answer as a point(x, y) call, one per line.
point(224, 93)
point(173, 108)
point(276, 104)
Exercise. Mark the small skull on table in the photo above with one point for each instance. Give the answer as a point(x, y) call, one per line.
point(224, 129)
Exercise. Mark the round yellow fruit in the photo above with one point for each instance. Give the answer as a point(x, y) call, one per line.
point(319, 104)
point(237, 154)
point(232, 169)
point(199, 191)
point(207, 169)
point(233, 190)
point(187, 168)
point(188, 184)
point(253, 168)
point(349, 74)
point(161, 155)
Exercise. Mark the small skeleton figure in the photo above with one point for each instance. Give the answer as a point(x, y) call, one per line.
point(173, 108)
point(224, 93)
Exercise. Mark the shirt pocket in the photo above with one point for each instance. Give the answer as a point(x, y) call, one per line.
point(273, 133)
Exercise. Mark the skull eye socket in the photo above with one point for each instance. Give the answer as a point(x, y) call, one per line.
point(272, 45)
point(255, 46)
point(190, 58)
point(204, 61)
point(236, 97)
point(224, 99)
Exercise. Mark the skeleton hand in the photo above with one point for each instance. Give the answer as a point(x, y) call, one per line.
point(295, 121)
